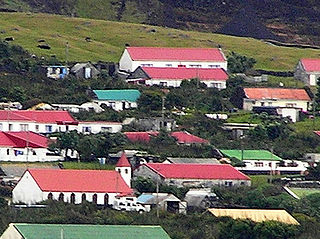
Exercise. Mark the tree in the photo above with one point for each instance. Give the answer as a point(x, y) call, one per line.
point(150, 101)
point(239, 64)
point(68, 141)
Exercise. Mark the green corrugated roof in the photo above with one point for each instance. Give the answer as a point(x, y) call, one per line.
point(250, 154)
point(71, 231)
point(127, 95)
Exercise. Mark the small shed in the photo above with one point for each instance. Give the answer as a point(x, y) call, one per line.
point(85, 70)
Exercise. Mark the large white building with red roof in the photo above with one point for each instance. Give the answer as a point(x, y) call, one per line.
point(133, 57)
point(50, 121)
point(173, 76)
point(275, 97)
point(308, 71)
point(26, 147)
point(193, 175)
point(73, 186)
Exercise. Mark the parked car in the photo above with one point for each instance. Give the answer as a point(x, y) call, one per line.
point(128, 204)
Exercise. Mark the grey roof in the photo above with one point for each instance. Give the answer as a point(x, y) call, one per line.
point(153, 198)
point(17, 170)
point(194, 160)
point(79, 66)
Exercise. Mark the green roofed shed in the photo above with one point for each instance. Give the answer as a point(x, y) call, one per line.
point(250, 154)
point(118, 95)
point(73, 231)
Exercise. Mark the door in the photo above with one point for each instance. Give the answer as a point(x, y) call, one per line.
point(312, 79)
point(87, 72)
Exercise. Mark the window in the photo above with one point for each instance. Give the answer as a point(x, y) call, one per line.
point(23, 127)
point(214, 66)
point(163, 83)
point(37, 128)
point(195, 66)
point(106, 129)
point(8, 151)
point(48, 128)
point(168, 65)
point(258, 164)
point(61, 197)
point(270, 103)
point(126, 171)
point(146, 65)
point(73, 198)
point(181, 65)
point(10, 127)
point(291, 105)
point(34, 152)
point(50, 196)
point(106, 199)
point(112, 104)
point(83, 197)
point(86, 129)
point(216, 85)
point(0, 126)
point(95, 198)
point(262, 103)
point(67, 127)
point(119, 170)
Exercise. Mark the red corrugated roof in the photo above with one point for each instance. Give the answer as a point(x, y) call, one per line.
point(182, 73)
point(276, 93)
point(63, 180)
point(22, 140)
point(317, 132)
point(39, 116)
point(176, 54)
point(140, 136)
point(197, 171)
point(123, 161)
point(184, 137)
point(311, 64)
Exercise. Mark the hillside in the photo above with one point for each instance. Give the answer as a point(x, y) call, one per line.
point(285, 20)
point(108, 39)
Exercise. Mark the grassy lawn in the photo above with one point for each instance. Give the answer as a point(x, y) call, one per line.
point(289, 82)
point(307, 126)
point(302, 192)
point(243, 117)
point(86, 165)
point(108, 40)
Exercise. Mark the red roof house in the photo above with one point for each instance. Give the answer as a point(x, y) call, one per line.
point(175, 54)
point(182, 137)
point(194, 174)
point(133, 57)
point(308, 71)
point(276, 97)
point(72, 186)
point(39, 116)
point(173, 76)
point(22, 140)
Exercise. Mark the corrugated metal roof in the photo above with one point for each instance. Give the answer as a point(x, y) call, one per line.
point(311, 65)
point(176, 54)
point(127, 95)
point(54, 231)
point(276, 93)
point(250, 154)
point(256, 215)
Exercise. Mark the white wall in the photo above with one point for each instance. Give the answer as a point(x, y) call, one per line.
point(117, 105)
point(11, 233)
point(27, 191)
point(249, 103)
point(125, 63)
point(97, 127)
point(8, 154)
point(126, 174)
point(177, 83)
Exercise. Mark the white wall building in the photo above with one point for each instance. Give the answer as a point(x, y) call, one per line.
point(117, 99)
point(308, 71)
point(133, 57)
point(50, 121)
point(27, 147)
point(173, 76)
point(124, 168)
point(276, 97)
point(73, 186)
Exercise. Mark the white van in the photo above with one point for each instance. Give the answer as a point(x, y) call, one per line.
point(128, 204)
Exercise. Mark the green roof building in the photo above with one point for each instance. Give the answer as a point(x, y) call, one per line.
point(250, 154)
point(117, 99)
point(73, 231)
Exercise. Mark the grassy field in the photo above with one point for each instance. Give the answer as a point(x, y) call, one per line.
point(108, 39)
point(84, 165)
point(307, 126)
point(302, 192)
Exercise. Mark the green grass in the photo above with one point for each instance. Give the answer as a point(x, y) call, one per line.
point(109, 39)
point(259, 180)
point(243, 117)
point(289, 82)
point(302, 192)
point(307, 126)
point(86, 165)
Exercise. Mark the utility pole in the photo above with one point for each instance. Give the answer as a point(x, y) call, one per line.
point(67, 52)
point(157, 190)
point(162, 111)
